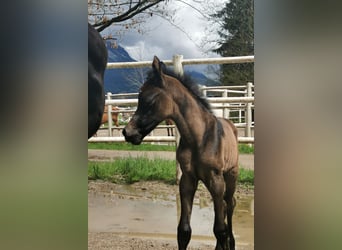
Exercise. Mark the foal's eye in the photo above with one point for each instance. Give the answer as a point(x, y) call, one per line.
point(149, 106)
point(147, 101)
point(146, 104)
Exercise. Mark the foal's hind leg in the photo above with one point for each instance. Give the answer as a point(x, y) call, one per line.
point(216, 186)
point(187, 188)
point(230, 179)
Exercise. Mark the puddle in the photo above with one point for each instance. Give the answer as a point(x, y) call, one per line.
point(153, 213)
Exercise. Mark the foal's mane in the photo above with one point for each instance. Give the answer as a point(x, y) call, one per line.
point(187, 82)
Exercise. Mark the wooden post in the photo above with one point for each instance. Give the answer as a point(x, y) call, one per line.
point(240, 113)
point(226, 111)
point(177, 64)
point(178, 68)
point(248, 115)
point(109, 113)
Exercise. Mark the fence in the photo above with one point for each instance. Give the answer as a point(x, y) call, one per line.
point(218, 96)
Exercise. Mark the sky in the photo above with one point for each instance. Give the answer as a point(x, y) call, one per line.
point(165, 40)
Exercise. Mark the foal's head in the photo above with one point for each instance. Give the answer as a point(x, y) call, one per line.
point(154, 105)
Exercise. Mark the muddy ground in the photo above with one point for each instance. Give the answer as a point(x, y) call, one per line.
point(144, 216)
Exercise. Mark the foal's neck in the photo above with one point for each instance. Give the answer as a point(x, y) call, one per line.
point(191, 118)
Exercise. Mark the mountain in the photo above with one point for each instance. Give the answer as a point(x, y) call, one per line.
point(130, 80)
point(117, 80)
point(200, 78)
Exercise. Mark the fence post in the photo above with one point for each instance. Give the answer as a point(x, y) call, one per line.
point(109, 114)
point(178, 68)
point(177, 64)
point(248, 115)
point(226, 111)
point(240, 113)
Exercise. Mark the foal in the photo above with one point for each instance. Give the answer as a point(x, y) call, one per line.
point(208, 148)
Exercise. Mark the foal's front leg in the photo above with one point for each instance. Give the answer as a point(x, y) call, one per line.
point(187, 188)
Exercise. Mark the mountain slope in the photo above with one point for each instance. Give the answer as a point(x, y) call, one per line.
point(130, 80)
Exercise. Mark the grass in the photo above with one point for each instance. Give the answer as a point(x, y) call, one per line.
point(246, 149)
point(246, 176)
point(243, 148)
point(130, 170)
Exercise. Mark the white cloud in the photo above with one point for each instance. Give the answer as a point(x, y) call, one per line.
point(165, 40)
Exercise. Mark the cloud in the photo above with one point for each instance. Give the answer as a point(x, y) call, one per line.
point(166, 40)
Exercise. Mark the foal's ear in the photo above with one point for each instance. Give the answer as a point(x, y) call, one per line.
point(157, 66)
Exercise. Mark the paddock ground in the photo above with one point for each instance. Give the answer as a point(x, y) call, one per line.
point(144, 215)
point(245, 160)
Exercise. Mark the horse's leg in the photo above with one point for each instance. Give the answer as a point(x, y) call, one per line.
point(216, 186)
point(169, 130)
point(230, 179)
point(230, 208)
point(116, 119)
point(187, 188)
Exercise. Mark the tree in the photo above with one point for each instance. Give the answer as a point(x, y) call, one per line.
point(236, 39)
point(103, 13)
point(131, 14)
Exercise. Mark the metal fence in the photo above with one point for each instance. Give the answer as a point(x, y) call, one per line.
point(238, 108)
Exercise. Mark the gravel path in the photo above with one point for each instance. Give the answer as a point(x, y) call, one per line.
point(246, 160)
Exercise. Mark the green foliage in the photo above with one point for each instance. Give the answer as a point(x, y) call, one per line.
point(237, 39)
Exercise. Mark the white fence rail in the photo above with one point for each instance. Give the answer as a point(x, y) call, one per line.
point(179, 59)
point(223, 106)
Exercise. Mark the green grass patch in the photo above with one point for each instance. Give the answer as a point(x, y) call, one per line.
point(246, 149)
point(130, 170)
point(243, 148)
point(246, 176)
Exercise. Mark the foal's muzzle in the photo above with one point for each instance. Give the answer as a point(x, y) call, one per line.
point(132, 135)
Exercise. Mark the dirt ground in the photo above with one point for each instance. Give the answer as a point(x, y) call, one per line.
point(113, 241)
point(113, 225)
point(246, 161)
point(151, 192)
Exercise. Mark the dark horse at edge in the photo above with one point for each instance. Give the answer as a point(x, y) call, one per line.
point(208, 148)
point(97, 61)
